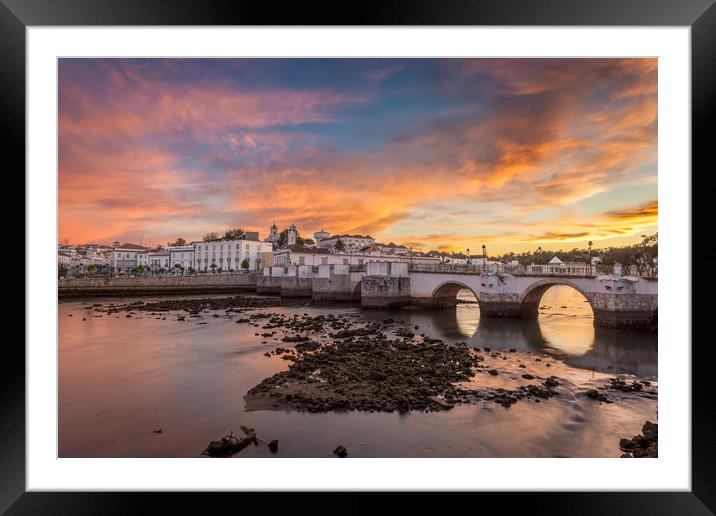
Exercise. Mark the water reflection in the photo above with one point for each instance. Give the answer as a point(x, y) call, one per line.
point(122, 378)
point(564, 329)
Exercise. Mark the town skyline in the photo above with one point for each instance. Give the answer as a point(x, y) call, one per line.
point(443, 154)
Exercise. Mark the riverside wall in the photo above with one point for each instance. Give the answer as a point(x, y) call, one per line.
point(157, 285)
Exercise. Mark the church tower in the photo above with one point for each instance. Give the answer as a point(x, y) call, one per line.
point(292, 232)
point(273, 236)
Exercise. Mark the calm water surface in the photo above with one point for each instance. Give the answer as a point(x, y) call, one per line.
point(120, 379)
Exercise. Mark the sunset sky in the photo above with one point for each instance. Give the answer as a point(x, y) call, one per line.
point(442, 154)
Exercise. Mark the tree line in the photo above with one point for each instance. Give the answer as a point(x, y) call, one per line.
point(642, 252)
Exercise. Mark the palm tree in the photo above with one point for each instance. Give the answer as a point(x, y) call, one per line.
point(339, 246)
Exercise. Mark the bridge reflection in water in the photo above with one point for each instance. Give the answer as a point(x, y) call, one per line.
point(564, 329)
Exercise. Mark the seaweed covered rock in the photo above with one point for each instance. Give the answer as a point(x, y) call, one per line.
point(371, 374)
point(644, 445)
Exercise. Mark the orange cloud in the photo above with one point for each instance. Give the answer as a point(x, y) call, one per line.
point(141, 156)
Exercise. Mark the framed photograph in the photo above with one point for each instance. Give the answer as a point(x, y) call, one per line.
point(414, 250)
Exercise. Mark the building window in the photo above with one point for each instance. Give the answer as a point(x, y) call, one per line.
point(301, 260)
point(324, 260)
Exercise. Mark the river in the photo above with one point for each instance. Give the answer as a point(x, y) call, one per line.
point(121, 379)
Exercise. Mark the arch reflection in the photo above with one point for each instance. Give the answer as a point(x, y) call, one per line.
point(564, 330)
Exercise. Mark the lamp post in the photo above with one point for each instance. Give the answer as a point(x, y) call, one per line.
point(468, 256)
point(589, 246)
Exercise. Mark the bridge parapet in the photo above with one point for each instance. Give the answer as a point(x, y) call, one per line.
point(616, 301)
point(539, 270)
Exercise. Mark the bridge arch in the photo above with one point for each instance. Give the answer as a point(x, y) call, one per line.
point(532, 296)
point(445, 294)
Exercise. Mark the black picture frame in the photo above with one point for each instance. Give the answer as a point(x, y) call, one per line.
point(17, 15)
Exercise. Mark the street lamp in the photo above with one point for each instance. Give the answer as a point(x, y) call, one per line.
point(468, 256)
point(589, 246)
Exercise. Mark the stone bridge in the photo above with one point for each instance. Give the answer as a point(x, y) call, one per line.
point(617, 301)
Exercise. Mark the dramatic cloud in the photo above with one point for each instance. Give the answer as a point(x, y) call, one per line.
point(436, 153)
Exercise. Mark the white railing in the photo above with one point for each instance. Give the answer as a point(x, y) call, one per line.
point(537, 270)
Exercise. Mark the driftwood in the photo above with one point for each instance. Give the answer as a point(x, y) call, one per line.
point(230, 444)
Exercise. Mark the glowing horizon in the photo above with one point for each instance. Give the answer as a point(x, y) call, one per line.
point(444, 154)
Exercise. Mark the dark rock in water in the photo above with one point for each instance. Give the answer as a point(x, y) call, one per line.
point(644, 445)
point(551, 382)
point(402, 332)
point(528, 376)
point(273, 446)
point(230, 444)
point(626, 444)
point(295, 338)
point(441, 403)
point(513, 350)
point(493, 372)
point(621, 385)
point(303, 347)
point(369, 374)
point(267, 354)
point(340, 451)
point(486, 349)
point(594, 394)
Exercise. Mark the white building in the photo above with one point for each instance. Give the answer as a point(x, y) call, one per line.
point(303, 255)
point(320, 235)
point(181, 255)
point(350, 242)
point(392, 248)
point(557, 266)
point(128, 256)
point(64, 259)
point(158, 259)
point(228, 255)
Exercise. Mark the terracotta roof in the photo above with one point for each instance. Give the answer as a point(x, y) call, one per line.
point(131, 246)
point(346, 236)
point(298, 248)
